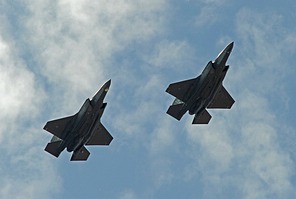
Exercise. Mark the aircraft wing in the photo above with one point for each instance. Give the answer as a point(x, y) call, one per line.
point(100, 136)
point(56, 127)
point(222, 99)
point(180, 89)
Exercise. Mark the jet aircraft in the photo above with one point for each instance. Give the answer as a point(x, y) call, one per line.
point(82, 128)
point(205, 91)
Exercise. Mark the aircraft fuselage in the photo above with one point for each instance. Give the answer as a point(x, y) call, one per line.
point(205, 89)
point(80, 129)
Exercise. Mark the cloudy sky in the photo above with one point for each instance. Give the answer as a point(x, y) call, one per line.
point(56, 53)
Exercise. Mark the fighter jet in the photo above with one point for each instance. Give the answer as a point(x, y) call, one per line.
point(205, 91)
point(82, 128)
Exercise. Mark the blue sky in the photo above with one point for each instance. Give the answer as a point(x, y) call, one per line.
point(55, 54)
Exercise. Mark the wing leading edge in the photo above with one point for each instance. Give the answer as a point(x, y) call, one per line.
point(57, 127)
point(179, 89)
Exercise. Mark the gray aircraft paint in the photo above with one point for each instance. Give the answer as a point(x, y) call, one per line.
point(205, 91)
point(83, 128)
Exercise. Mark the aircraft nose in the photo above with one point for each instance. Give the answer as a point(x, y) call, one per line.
point(224, 54)
point(229, 47)
point(108, 83)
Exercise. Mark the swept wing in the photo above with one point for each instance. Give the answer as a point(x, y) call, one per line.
point(56, 127)
point(179, 89)
point(100, 136)
point(222, 99)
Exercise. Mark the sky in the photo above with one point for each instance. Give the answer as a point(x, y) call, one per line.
point(54, 54)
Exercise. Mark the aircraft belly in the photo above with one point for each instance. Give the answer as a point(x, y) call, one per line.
point(76, 136)
point(71, 143)
point(209, 91)
point(195, 104)
point(203, 96)
point(90, 130)
point(72, 132)
point(74, 143)
point(206, 91)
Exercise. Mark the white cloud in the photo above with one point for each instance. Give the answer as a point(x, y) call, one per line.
point(242, 147)
point(75, 41)
point(172, 55)
point(128, 194)
point(209, 12)
point(17, 85)
point(24, 168)
point(74, 44)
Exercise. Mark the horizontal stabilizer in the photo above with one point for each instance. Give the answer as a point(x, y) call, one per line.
point(203, 118)
point(180, 89)
point(222, 99)
point(53, 148)
point(100, 136)
point(56, 127)
point(80, 155)
point(176, 111)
